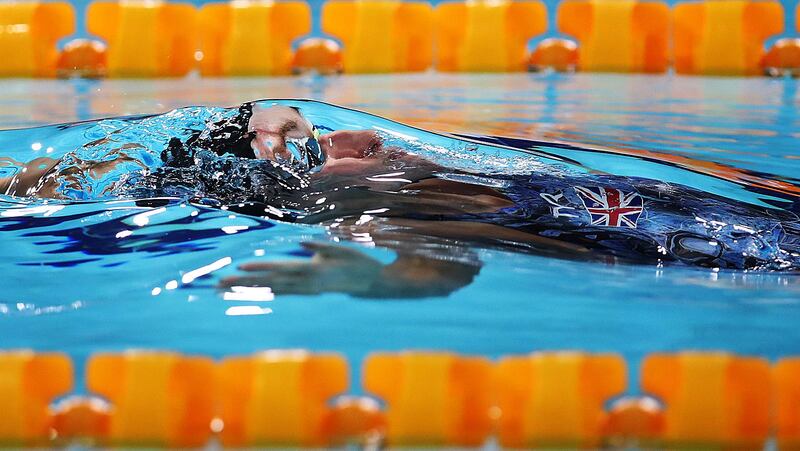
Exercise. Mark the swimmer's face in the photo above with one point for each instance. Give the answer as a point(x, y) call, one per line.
point(273, 127)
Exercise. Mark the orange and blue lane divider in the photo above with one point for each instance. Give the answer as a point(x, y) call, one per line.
point(279, 397)
point(786, 402)
point(711, 398)
point(85, 58)
point(28, 35)
point(724, 37)
point(158, 398)
point(432, 398)
point(319, 55)
point(28, 384)
point(617, 36)
point(487, 36)
point(145, 39)
point(250, 38)
point(158, 38)
point(557, 54)
point(297, 398)
point(783, 58)
point(381, 35)
point(556, 399)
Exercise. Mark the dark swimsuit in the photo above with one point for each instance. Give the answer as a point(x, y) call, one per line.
point(642, 219)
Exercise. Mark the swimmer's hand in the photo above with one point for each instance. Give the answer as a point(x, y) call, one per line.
point(332, 269)
point(340, 269)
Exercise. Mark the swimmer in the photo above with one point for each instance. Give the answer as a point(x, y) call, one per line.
point(264, 137)
point(609, 218)
point(585, 216)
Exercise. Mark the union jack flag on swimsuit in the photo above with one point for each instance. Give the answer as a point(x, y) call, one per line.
point(611, 207)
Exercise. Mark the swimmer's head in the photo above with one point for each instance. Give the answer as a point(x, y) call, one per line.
point(283, 135)
point(276, 133)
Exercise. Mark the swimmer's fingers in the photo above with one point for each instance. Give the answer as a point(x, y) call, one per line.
point(328, 252)
point(268, 266)
point(260, 271)
point(332, 268)
point(317, 246)
point(282, 280)
point(279, 283)
point(323, 253)
point(242, 281)
point(290, 282)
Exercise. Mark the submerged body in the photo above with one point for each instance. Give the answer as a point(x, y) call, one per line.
point(644, 219)
point(286, 169)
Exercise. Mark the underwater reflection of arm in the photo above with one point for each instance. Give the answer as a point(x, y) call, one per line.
point(434, 258)
point(42, 177)
point(341, 269)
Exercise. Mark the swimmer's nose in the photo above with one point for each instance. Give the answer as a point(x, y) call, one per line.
point(267, 146)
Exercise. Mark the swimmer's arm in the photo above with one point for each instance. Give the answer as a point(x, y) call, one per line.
point(33, 179)
point(415, 276)
point(484, 233)
point(340, 269)
point(28, 176)
point(362, 149)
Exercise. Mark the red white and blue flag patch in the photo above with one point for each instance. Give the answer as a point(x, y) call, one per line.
point(611, 207)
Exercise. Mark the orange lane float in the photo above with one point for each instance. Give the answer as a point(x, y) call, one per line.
point(723, 37)
point(786, 380)
point(82, 58)
point(81, 418)
point(381, 35)
point(158, 398)
point(618, 36)
point(634, 418)
point(145, 38)
point(783, 58)
point(432, 398)
point(279, 397)
point(317, 55)
point(556, 399)
point(560, 55)
point(354, 420)
point(487, 36)
point(29, 382)
point(246, 38)
point(710, 398)
point(29, 32)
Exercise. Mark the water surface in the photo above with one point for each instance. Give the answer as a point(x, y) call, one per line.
point(110, 294)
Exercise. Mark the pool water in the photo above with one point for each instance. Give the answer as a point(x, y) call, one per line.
point(71, 284)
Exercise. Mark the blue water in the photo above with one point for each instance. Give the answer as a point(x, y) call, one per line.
point(72, 284)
